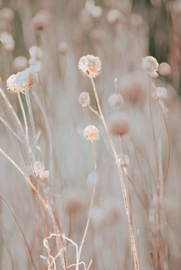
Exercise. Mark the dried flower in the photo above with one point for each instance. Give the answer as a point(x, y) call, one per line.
point(114, 16)
point(119, 123)
point(63, 47)
point(84, 99)
point(150, 65)
point(19, 63)
point(39, 170)
point(91, 133)
point(96, 12)
point(41, 20)
point(7, 41)
point(164, 69)
point(123, 159)
point(36, 53)
point(18, 82)
point(89, 65)
point(115, 100)
point(159, 92)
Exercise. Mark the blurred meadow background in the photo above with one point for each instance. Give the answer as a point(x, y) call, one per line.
point(120, 33)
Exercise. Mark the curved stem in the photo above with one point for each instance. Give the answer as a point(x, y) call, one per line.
point(24, 116)
point(96, 113)
point(121, 179)
point(31, 115)
point(26, 129)
point(152, 126)
point(21, 231)
point(37, 193)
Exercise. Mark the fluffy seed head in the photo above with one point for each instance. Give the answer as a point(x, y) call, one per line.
point(19, 63)
point(119, 123)
point(84, 99)
point(159, 92)
point(89, 65)
point(150, 66)
point(18, 82)
point(36, 53)
point(96, 12)
point(115, 100)
point(41, 20)
point(114, 16)
point(7, 41)
point(164, 69)
point(91, 133)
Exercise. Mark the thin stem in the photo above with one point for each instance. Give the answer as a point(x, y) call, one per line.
point(37, 193)
point(168, 139)
point(121, 179)
point(12, 131)
point(152, 126)
point(94, 153)
point(49, 134)
point(30, 114)
point(87, 225)
point(96, 113)
point(24, 116)
point(26, 129)
point(21, 231)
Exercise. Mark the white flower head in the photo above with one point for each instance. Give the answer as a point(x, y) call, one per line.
point(150, 66)
point(90, 65)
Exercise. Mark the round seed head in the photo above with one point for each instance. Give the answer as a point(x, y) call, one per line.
point(84, 99)
point(6, 14)
point(89, 65)
point(96, 12)
point(119, 123)
point(63, 47)
point(41, 20)
point(91, 133)
point(115, 100)
point(164, 69)
point(114, 16)
point(36, 53)
point(150, 66)
point(19, 63)
point(159, 92)
point(7, 41)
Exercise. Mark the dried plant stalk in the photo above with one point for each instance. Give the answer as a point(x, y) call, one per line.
point(121, 178)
